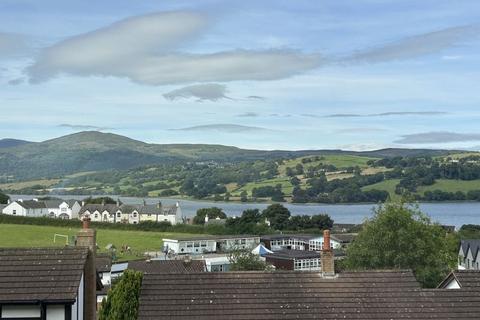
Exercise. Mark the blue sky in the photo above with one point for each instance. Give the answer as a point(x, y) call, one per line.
point(356, 75)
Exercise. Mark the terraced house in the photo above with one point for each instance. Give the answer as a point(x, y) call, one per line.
point(61, 209)
point(133, 214)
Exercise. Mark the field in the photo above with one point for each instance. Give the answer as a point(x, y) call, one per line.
point(339, 161)
point(287, 187)
point(451, 186)
point(387, 185)
point(28, 184)
point(13, 235)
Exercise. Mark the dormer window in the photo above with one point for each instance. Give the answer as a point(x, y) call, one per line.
point(134, 214)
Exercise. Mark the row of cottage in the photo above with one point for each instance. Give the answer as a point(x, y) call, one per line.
point(76, 209)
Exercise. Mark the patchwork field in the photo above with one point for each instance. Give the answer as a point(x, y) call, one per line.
point(13, 235)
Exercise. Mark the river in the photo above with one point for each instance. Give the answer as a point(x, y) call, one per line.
point(447, 213)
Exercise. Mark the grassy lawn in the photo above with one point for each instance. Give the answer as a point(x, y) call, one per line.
point(15, 235)
point(339, 161)
point(451, 186)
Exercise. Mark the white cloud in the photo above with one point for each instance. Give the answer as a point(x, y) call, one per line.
point(143, 50)
point(438, 137)
point(225, 128)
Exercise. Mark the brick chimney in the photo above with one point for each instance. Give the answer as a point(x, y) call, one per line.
point(327, 257)
point(87, 237)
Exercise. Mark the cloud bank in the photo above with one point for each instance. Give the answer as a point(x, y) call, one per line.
point(225, 128)
point(143, 49)
point(438, 137)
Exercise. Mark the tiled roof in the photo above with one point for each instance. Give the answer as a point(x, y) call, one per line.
point(300, 295)
point(103, 262)
point(168, 266)
point(466, 279)
point(47, 274)
point(110, 208)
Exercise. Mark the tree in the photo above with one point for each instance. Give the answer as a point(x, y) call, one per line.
point(122, 300)
point(245, 260)
point(243, 196)
point(278, 216)
point(212, 213)
point(4, 198)
point(400, 236)
point(99, 200)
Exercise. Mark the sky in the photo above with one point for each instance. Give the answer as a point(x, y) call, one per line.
point(352, 75)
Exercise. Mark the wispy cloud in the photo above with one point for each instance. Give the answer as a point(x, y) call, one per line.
point(360, 130)
point(417, 45)
point(226, 128)
point(208, 91)
point(13, 45)
point(438, 137)
point(83, 127)
point(383, 114)
point(248, 114)
point(16, 82)
point(256, 98)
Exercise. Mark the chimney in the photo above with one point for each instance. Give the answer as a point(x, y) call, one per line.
point(327, 257)
point(86, 237)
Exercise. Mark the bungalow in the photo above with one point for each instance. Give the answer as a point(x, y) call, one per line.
point(298, 260)
point(26, 208)
point(305, 242)
point(469, 255)
point(49, 283)
point(206, 244)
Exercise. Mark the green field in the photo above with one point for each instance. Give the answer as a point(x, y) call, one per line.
point(287, 187)
point(339, 161)
point(451, 186)
point(13, 235)
point(387, 185)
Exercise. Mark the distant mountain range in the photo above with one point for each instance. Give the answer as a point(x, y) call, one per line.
point(97, 151)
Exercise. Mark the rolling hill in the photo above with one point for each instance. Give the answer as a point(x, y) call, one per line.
point(8, 143)
point(97, 151)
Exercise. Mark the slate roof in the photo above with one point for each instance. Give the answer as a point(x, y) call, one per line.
point(110, 208)
point(300, 295)
point(53, 203)
point(168, 266)
point(473, 244)
point(32, 204)
point(127, 209)
point(40, 274)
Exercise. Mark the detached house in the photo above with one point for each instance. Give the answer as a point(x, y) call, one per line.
point(469, 255)
point(26, 208)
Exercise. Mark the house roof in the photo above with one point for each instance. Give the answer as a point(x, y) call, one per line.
point(40, 274)
point(128, 208)
point(32, 204)
point(473, 244)
point(293, 254)
point(110, 208)
point(103, 262)
point(340, 237)
point(53, 203)
point(167, 266)
point(466, 279)
point(300, 295)
point(209, 237)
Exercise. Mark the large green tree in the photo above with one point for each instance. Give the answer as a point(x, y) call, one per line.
point(278, 216)
point(212, 213)
point(122, 299)
point(400, 236)
point(245, 260)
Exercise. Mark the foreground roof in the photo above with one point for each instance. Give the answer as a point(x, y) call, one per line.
point(300, 295)
point(466, 279)
point(473, 245)
point(46, 275)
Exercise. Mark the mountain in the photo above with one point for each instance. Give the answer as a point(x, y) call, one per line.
point(8, 143)
point(97, 151)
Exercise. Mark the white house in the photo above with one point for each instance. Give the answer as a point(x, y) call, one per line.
point(469, 255)
point(133, 214)
point(26, 208)
point(63, 209)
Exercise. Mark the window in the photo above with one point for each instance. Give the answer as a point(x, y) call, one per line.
point(14, 212)
point(119, 214)
point(96, 215)
point(134, 214)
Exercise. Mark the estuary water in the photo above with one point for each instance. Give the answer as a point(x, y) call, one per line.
point(447, 213)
